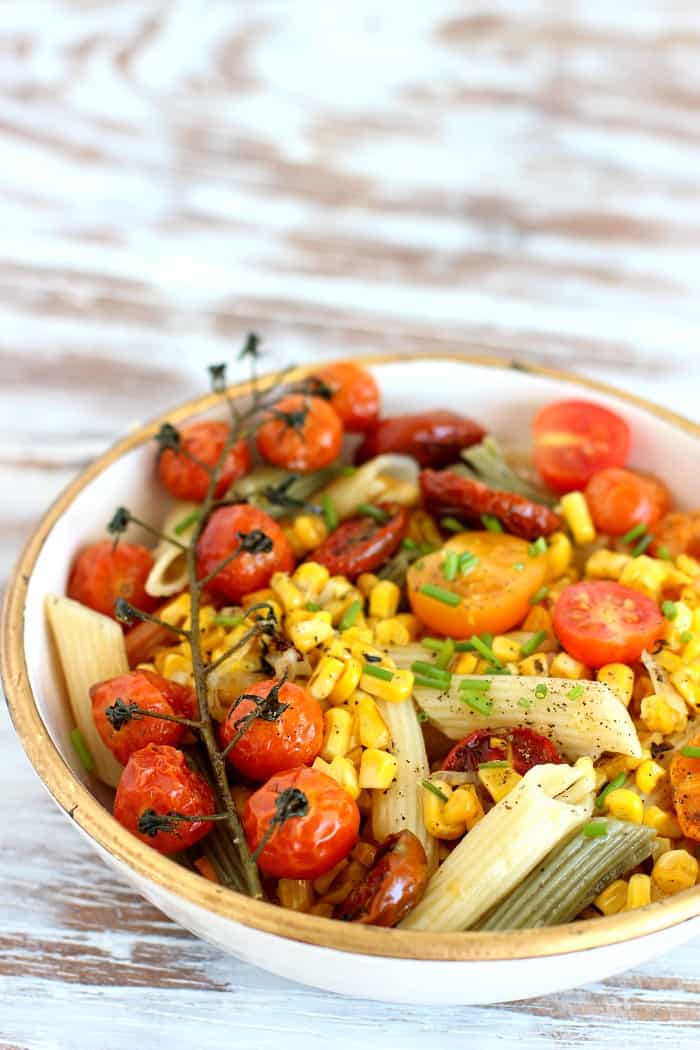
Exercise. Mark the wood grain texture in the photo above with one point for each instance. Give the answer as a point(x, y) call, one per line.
point(520, 176)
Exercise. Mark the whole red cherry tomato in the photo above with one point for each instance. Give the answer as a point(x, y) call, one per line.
point(392, 886)
point(576, 439)
point(102, 573)
point(354, 394)
point(265, 550)
point(677, 533)
point(280, 737)
point(434, 439)
point(156, 783)
point(150, 692)
point(600, 622)
point(184, 478)
point(620, 499)
point(300, 433)
point(302, 847)
point(360, 544)
point(525, 749)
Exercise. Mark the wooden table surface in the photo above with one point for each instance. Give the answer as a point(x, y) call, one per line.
point(520, 175)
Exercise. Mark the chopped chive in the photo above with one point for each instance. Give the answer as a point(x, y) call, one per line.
point(518, 566)
point(492, 669)
point(538, 546)
point(690, 752)
point(525, 701)
point(533, 643)
point(421, 716)
point(350, 615)
point(540, 691)
point(428, 670)
point(635, 532)
point(669, 609)
point(664, 553)
point(485, 650)
point(467, 646)
point(430, 683)
point(371, 511)
point(576, 693)
point(434, 644)
point(497, 763)
point(312, 607)
point(491, 522)
point(595, 829)
point(409, 544)
point(185, 523)
point(427, 548)
point(477, 701)
point(330, 514)
point(82, 750)
point(434, 790)
point(475, 685)
point(446, 654)
point(467, 562)
point(686, 636)
point(347, 471)
point(227, 621)
point(450, 565)
point(441, 595)
point(641, 546)
point(615, 783)
point(378, 672)
point(539, 596)
point(451, 525)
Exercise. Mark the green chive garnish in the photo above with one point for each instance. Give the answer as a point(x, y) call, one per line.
point(540, 691)
point(576, 693)
point(434, 644)
point(615, 783)
point(475, 685)
point(434, 790)
point(641, 546)
point(450, 565)
point(525, 702)
point(82, 750)
point(634, 533)
point(446, 654)
point(185, 523)
point(451, 525)
point(669, 609)
point(430, 683)
point(441, 595)
point(490, 522)
point(664, 553)
point(350, 615)
point(595, 829)
point(533, 643)
point(518, 566)
point(329, 512)
point(485, 650)
point(409, 544)
point(312, 607)
point(539, 596)
point(371, 511)
point(467, 562)
point(467, 646)
point(378, 672)
point(538, 546)
point(477, 701)
point(347, 471)
point(686, 636)
point(496, 764)
point(227, 621)
point(429, 670)
point(690, 752)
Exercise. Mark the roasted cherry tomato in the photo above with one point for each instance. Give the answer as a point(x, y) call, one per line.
point(491, 591)
point(301, 433)
point(620, 499)
point(360, 544)
point(185, 479)
point(685, 787)
point(354, 394)
point(678, 533)
point(434, 439)
point(158, 779)
point(576, 439)
point(102, 573)
point(229, 528)
point(524, 749)
point(447, 493)
point(150, 692)
point(599, 622)
point(287, 731)
point(392, 886)
point(302, 847)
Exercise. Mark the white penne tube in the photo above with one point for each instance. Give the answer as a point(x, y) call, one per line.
point(400, 807)
point(91, 648)
point(383, 474)
point(169, 573)
point(504, 847)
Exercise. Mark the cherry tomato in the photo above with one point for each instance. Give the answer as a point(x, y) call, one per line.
point(525, 749)
point(355, 394)
point(158, 778)
point(685, 787)
point(434, 439)
point(102, 573)
point(308, 846)
point(620, 499)
point(185, 479)
point(447, 493)
point(274, 741)
point(576, 439)
point(225, 531)
point(493, 591)
point(301, 433)
point(600, 622)
point(392, 886)
point(678, 533)
point(360, 544)
point(148, 691)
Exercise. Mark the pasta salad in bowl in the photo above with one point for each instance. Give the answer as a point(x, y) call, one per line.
point(356, 670)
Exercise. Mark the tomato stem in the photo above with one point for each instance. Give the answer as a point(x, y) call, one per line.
point(120, 713)
point(125, 612)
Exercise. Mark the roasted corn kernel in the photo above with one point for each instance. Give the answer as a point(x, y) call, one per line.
point(644, 574)
point(675, 870)
point(606, 565)
point(396, 690)
point(311, 578)
point(536, 665)
point(638, 892)
point(366, 582)
point(505, 649)
point(373, 729)
point(564, 666)
point(687, 681)
point(463, 807)
point(377, 768)
point(648, 775)
point(348, 681)
point(499, 782)
point(613, 898)
point(343, 771)
point(578, 517)
point(391, 632)
point(663, 822)
point(308, 531)
point(327, 674)
point(337, 730)
point(434, 812)
point(465, 663)
point(619, 678)
point(384, 599)
point(624, 804)
point(559, 555)
point(306, 634)
point(658, 713)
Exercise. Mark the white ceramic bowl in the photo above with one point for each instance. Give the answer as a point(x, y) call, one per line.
point(399, 966)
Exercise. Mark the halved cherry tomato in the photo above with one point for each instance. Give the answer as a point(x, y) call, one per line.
point(494, 591)
point(301, 433)
point(678, 533)
point(620, 499)
point(355, 394)
point(152, 693)
point(102, 573)
point(360, 544)
point(224, 532)
point(434, 439)
point(575, 439)
point(525, 749)
point(158, 778)
point(185, 479)
point(685, 787)
point(392, 886)
point(308, 846)
point(447, 493)
point(275, 740)
point(600, 622)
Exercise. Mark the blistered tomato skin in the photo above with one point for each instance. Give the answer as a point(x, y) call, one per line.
point(274, 744)
point(187, 480)
point(158, 778)
point(360, 545)
point(434, 439)
point(103, 573)
point(677, 533)
point(599, 622)
point(354, 395)
point(247, 571)
point(685, 787)
point(301, 433)
point(393, 885)
point(303, 847)
point(447, 493)
point(150, 692)
point(525, 749)
point(620, 499)
point(576, 439)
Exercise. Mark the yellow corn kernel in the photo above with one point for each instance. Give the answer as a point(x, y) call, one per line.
point(366, 582)
point(377, 769)
point(657, 713)
point(373, 729)
point(463, 807)
point(327, 673)
point(536, 664)
point(499, 782)
point(687, 681)
point(682, 621)
point(559, 554)
point(411, 623)
point(606, 565)
point(557, 586)
point(505, 649)
point(434, 812)
point(663, 822)
point(578, 517)
point(669, 661)
point(337, 607)
point(337, 731)
point(398, 689)
point(613, 898)
point(265, 594)
point(466, 663)
point(309, 531)
point(625, 805)
point(348, 681)
point(305, 635)
point(620, 679)
point(357, 636)
point(648, 775)
point(297, 894)
point(675, 870)
point(644, 574)
point(638, 892)
point(343, 771)
point(690, 566)
point(175, 663)
point(288, 593)
point(564, 666)
point(690, 596)
point(311, 578)
point(177, 611)
point(384, 600)
point(391, 632)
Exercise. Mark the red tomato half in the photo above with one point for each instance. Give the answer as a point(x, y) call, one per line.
point(248, 571)
point(308, 846)
point(599, 622)
point(575, 439)
point(355, 394)
point(360, 545)
point(274, 741)
point(526, 749)
point(185, 479)
point(301, 433)
point(102, 573)
point(620, 499)
point(434, 438)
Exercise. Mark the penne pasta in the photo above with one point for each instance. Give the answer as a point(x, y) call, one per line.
point(390, 474)
point(169, 573)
